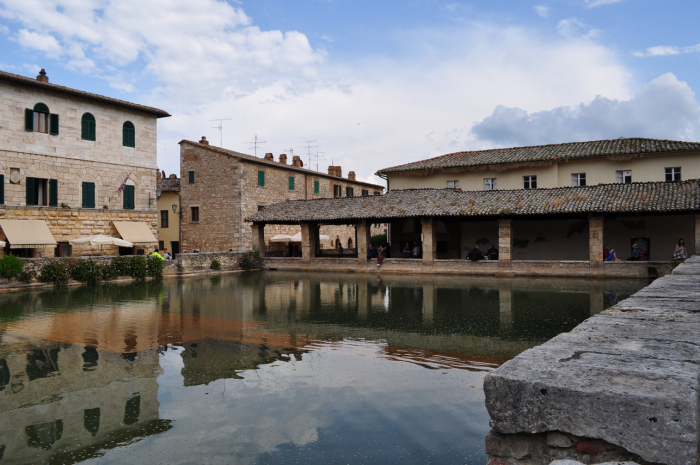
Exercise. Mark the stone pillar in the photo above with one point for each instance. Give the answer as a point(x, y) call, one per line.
point(362, 232)
point(429, 298)
point(595, 240)
point(259, 238)
point(697, 234)
point(429, 241)
point(364, 302)
point(309, 241)
point(505, 242)
point(505, 301)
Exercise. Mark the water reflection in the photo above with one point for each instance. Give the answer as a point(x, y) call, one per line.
point(266, 367)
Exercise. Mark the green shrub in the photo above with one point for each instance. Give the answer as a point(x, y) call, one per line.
point(11, 266)
point(109, 273)
point(378, 240)
point(54, 272)
point(139, 268)
point(122, 266)
point(215, 265)
point(250, 260)
point(26, 276)
point(86, 272)
point(154, 267)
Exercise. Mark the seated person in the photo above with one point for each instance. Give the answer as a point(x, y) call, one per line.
point(407, 251)
point(680, 250)
point(475, 254)
point(492, 253)
point(609, 255)
point(636, 254)
point(371, 252)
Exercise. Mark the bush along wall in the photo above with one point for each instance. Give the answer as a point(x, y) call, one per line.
point(11, 266)
point(91, 272)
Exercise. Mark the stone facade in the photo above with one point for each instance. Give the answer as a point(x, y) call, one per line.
point(69, 160)
point(226, 188)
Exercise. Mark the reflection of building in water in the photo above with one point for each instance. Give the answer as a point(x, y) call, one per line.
point(63, 403)
point(208, 360)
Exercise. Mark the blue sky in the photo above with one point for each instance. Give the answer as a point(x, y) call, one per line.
point(374, 83)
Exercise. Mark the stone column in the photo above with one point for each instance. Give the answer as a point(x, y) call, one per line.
point(309, 241)
point(595, 240)
point(697, 234)
point(429, 241)
point(505, 301)
point(259, 238)
point(505, 243)
point(364, 302)
point(362, 232)
point(429, 298)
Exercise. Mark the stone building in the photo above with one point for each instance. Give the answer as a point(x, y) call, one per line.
point(64, 155)
point(220, 188)
point(574, 164)
point(168, 191)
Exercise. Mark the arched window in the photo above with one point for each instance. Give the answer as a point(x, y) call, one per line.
point(128, 134)
point(39, 119)
point(88, 126)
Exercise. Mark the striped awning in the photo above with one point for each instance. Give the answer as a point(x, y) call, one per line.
point(27, 234)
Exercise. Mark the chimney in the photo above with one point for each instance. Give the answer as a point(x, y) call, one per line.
point(331, 170)
point(172, 176)
point(351, 176)
point(283, 159)
point(296, 161)
point(158, 175)
point(204, 141)
point(269, 156)
point(42, 77)
point(339, 171)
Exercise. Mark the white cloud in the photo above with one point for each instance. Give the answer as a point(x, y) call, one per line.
point(42, 42)
point(597, 3)
point(572, 28)
point(665, 108)
point(541, 10)
point(665, 50)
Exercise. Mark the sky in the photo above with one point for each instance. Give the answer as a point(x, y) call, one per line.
point(367, 84)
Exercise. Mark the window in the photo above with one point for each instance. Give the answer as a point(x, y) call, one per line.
point(673, 174)
point(453, 184)
point(529, 182)
point(336, 190)
point(490, 184)
point(2, 189)
point(128, 134)
point(291, 183)
point(349, 192)
point(161, 245)
point(164, 219)
point(40, 120)
point(261, 178)
point(88, 195)
point(578, 179)
point(42, 192)
point(129, 198)
point(261, 208)
point(316, 187)
point(190, 177)
point(63, 249)
point(377, 193)
point(87, 124)
point(365, 193)
point(623, 177)
point(194, 213)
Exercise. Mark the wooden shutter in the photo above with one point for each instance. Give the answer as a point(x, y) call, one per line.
point(53, 192)
point(53, 124)
point(261, 178)
point(191, 177)
point(2, 189)
point(28, 119)
point(129, 201)
point(87, 126)
point(31, 200)
point(88, 195)
point(291, 183)
point(316, 185)
point(128, 134)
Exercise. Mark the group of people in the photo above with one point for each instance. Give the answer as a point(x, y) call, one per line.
point(476, 254)
point(166, 255)
point(378, 253)
point(609, 254)
point(411, 252)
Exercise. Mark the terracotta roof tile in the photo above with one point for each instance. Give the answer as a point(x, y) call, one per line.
point(652, 197)
point(543, 153)
point(169, 185)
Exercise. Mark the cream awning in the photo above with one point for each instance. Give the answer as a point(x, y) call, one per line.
point(136, 232)
point(27, 234)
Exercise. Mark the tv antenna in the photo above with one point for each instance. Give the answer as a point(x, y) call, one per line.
point(317, 157)
point(220, 127)
point(255, 143)
point(310, 145)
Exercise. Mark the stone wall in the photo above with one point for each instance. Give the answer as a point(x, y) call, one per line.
point(198, 261)
point(66, 224)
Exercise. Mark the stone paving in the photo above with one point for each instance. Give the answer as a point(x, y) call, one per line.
point(628, 376)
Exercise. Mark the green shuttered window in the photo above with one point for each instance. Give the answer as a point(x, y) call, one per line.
point(191, 176)
point(261, 178)
point(53, 124)
point(129, 201)
point(53, 192)
point(87, 125)
point(128, 134)
point(2, 189)
point(39, 119)
point(37, 192)
point(88, 195)
point(349, 192)
point(316, 187)
point(31, 200)
point(291, 183)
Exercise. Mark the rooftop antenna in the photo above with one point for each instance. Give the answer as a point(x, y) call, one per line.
point(220, 127)
point(255, 143)
point(317, 157)
point(310, 145)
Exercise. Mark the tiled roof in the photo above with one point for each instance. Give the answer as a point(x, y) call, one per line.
point(290, 167)
point(169, 185)
point(543, 153)
point(650, 197)
point(79, 93)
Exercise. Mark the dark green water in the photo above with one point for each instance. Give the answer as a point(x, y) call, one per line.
point(269, 368)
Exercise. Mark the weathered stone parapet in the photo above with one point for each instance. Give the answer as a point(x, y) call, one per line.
point(363, 239)
point(627, 376)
